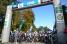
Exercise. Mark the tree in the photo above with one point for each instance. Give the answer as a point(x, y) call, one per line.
point(46, 29)
point(15, 20)
point(3, 5)
point(40, 28)
point(34, 28)
point(28, 18)
point(28, 15)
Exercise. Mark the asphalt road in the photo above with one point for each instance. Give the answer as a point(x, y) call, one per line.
point(24, 43)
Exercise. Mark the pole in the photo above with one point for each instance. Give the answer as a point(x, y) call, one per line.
point(7, 25)
point(59, 21)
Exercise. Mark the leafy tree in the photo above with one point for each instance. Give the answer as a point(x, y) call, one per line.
point(3, 5)
point(34, 28)
point(15, 19)
point(46, 29)
point(28, 15)
point(40, 28)
point(28, 18)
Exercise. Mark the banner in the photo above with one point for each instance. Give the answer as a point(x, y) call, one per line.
point(27, 3)
point(59, 14)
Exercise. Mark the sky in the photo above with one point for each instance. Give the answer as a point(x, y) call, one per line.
point(64, 2)
point(44, 15)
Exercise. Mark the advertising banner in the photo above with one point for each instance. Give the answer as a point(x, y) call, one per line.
point(59, 14)
point(27, 3)
point(45, 0)
point(60, 18)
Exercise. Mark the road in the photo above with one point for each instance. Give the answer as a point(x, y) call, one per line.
point(25, 43)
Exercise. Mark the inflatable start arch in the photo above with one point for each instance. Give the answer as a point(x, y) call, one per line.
point(58, 13)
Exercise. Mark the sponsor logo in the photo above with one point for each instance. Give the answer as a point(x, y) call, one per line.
point(60, 17)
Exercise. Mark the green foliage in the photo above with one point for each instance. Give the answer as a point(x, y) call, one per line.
point(27, 16)
point(45, 29)
point(40, 28)
point(34, 28)
point(3, 5)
